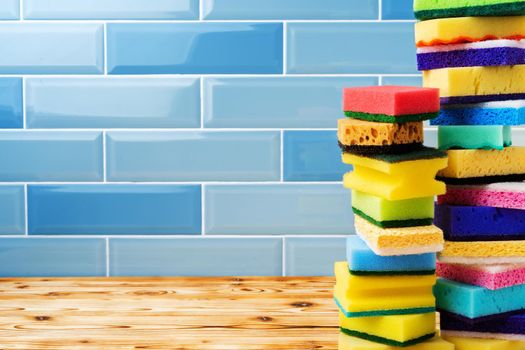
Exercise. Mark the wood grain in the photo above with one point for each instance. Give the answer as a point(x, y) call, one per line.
point(248, 313)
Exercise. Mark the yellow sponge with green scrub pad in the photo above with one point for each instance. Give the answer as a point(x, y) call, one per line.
point(395, 330)
point(474, 137)
point(483, 252)
point(400, 240)
point(359, 296)
point(463, 343)
point(347, 342)
point(464, 85)
point(429, 9)
point(397, 176)
point(478, 166)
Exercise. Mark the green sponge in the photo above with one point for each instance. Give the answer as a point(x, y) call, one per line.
point(474, 137)
point(386, 341)
point(421, 153)
point(430, 9)
point(385, 118)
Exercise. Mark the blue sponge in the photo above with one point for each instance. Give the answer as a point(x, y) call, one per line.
point(472, 223)
point(475, 302)
point(363, 261)
point(489, 113)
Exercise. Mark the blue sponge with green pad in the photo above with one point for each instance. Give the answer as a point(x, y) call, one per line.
point(475, 302)
point(363, 261)
point(474, 137)
point(487, 113)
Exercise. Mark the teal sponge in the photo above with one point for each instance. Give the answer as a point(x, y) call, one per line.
point(474, 137)
point(430, 9)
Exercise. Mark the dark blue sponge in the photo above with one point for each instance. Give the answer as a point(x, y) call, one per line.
point(506, 324)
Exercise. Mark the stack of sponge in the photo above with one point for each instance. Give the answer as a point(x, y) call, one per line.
point(474, 52)
point(384, 288)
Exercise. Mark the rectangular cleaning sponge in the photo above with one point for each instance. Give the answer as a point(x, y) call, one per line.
point(429, 9)
point(510, 112)
point(462, 343)
point(479, 252)
point(501, 195)
point(347, 342)
point(474, 137)
point(487, 276)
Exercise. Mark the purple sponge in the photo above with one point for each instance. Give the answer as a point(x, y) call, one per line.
point(507, 326)
point(471, 223)
point(496, 56)
point(459, 100)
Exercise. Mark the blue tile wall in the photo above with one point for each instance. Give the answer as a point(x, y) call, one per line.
point(185, 137)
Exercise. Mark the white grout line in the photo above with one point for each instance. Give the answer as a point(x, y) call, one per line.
point(202, 101)
point(107, 256)
point(380, 78)
point(21, 9)
point(282, 157)
point(24, 108)
point(201, 10)
point(283, 263)
point(26, 216)
point(285, 50)
point(105, 49)
point(104, 157)
point(162, 130)
point(197, 76)
point(196, 21)
point(380, 10)
point(203, 210)
point(174, 237)
point(153, 183)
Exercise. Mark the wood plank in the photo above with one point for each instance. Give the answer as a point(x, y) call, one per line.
point(226, 313)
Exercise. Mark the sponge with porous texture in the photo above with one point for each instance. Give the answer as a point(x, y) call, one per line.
point(347, 342)
point(487, 276)
point(480, 252)
point(510, 112)
point(363, 261)
point(504, 327)
point(391, 104)
point(474, 137)
point(501, 195)
point(468, 343)
point(429, 9)
point(473, 223)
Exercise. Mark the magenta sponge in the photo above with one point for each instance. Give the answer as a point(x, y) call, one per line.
point(488, 276)
point(502, 195)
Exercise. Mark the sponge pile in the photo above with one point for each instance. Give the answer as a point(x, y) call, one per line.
point(384, 289)
point(474, 52)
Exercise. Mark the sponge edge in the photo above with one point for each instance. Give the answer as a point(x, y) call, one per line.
point(486, 252)
point(353, 132)
point(509, 195)
point(510, 112)
point(488, 276)
point(474, 137)
point(425, 10)
point(464, 343)
point(504, 327)
point(347, 342)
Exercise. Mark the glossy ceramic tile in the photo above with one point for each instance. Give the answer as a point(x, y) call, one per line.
point(518, 136)
point(51, 48)
point(52, 257)
point(51, 156)
point(199, 48)
point(193, 156)
point(397, 9)
point(356, 48)
point(9, 9)
point(111, 9)
point(431, 137)
point(113, 103)
point(114, 209)
point(12, 210)
point(268, 102)
point(11, 103)
point(313, 156)
point(404, 81)
point(278, 209)
point(290, 9)
point(196, 257)
point(313, 256)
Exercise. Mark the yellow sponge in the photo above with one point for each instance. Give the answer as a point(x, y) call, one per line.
point(477, 163)
point(468, 29)
point(359, 296)
point(476, 81)
point(399, 330)
point(347, 342)
point(355, 132)
point(394, 181)
point(485, 344)
point(399, 240)
point(485, 252)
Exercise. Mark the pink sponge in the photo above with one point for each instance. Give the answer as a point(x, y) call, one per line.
point(488, 276)
point(502, 195)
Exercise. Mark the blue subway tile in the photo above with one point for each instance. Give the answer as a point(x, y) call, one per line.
point(356, 48)
point(51, 48)
point(278, 209)
point(313, 256)
point(270, 102)
point(290, 9)
point(12, 210)
point(518, 137)
point(50, 156)
point(404, 81)
point(313, 156)
point(397, 9)
point(114, 209)
point(52, 257)
point(111, 9)
point(201, 48)
point(11, 103)
point(193, 156)
point(431, 137)
point(196, 257)
point(113, 103)
point(10, 9)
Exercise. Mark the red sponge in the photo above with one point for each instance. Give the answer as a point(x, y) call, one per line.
point(381, 103)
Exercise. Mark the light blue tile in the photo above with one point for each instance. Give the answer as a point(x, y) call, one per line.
point(403, 81)
point(52, 257)
point(11, 103)
point(313, 256)
point(51, 48)
point(397, 9)
point(111, 9)
point(518, 136)
point(278, 209)
point(10, 9)
point(313, 156)
point(113, 103)
point(114, 209)
point(356, 48)
point(50, 156)
point(290, 9)
point(196, 257)
point(431, 137)
point(200, 48)
point(268, 102)
point(193, 156)
point(12, 210)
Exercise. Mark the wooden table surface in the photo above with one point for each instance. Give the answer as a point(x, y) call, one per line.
point(245, 313)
